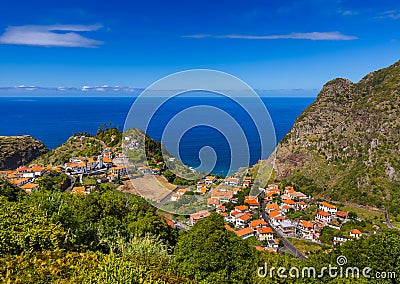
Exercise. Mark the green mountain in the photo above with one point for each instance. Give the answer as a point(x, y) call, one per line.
point(16, 151)
point(345, 145)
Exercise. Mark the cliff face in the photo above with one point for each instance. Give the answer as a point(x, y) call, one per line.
point(16, 151)
point(347, 143)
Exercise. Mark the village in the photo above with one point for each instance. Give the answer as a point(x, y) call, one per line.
point(272, 219)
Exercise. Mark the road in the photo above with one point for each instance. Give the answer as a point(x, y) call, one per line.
point(72, 183)
point(288, 245)
point(388, 224)
point(167, 198)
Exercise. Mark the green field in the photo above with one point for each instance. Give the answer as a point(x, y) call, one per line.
point(305, 246)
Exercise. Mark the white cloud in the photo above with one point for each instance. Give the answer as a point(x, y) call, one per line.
point(304, 36)
point(50, 35)
point(391, 14)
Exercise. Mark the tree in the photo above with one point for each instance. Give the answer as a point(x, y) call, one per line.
point(24, 228)
point(210, 253)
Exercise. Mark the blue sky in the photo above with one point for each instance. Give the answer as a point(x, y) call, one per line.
point(268, 44)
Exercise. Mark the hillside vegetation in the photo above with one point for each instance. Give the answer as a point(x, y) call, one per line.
point(16, 151)
point(345, 145)
point(112, 237)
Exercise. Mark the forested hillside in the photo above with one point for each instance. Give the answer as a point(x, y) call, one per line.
point(111, 237)
point(345, 146)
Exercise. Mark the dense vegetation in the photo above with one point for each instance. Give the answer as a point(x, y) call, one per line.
point(112, 237)
point(345, 145)
point(112, 137)
point(76, 146)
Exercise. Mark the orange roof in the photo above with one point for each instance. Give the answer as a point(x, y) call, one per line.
point(286, 207)
point(258, 222)
point(273, 206)
point(266, 230)
point(29, 186)
point(229, 228)
point(326, 204)
point(302, 203)
point(202, 190)
point(22, 169)
point(169, 222)
point(242, 207)
point(20, 180)
point(212, 201)
point(356, 232)
point(210, 178)
point(279, 218)
point(182, 190)
point(289, 201)
point(222, 207)
point(117, 168)
point(252, 202)
point(341, 214)
point(37, 168)
point(73, 165)
point(79, 188)
point(91, 160)
point(245, 217)
point(11, 176)
point(234, 213)
point(246, 182)
point(107, 160)
point(251, 197)
point(272, 193)
point(222, 193)
point(274, 213)
point(323, 213)
point(243, 232)
point(176, 195)
point(200, 214)
point(307, 224)
point(224, 214)
point(289, 189)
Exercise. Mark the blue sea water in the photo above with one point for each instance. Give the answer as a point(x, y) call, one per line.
point(54, 119)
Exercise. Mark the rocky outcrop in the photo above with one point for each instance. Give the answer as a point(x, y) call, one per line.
point(347, 141)
point(16, 151)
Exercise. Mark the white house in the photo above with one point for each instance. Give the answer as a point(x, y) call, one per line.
point(323, 217)
point(329, 208)
point(264, 233)
point(232, 181)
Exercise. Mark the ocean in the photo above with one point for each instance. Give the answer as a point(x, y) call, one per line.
point(54, 119)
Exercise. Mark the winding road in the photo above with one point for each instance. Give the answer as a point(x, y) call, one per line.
point(388, 224)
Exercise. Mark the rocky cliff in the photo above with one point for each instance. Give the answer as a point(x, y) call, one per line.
point(19, 150)
point(346, 145)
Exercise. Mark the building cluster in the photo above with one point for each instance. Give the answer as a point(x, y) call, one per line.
point(26, 177)
point(270, 212)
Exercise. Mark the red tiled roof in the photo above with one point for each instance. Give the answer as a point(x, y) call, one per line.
point(341, 214)
point(266, 230)
point(326, 204)
point(306, 224)
point(323, 213)
point(243, 232)
point(289, 201)
point(258, 222)
point(356, 232)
